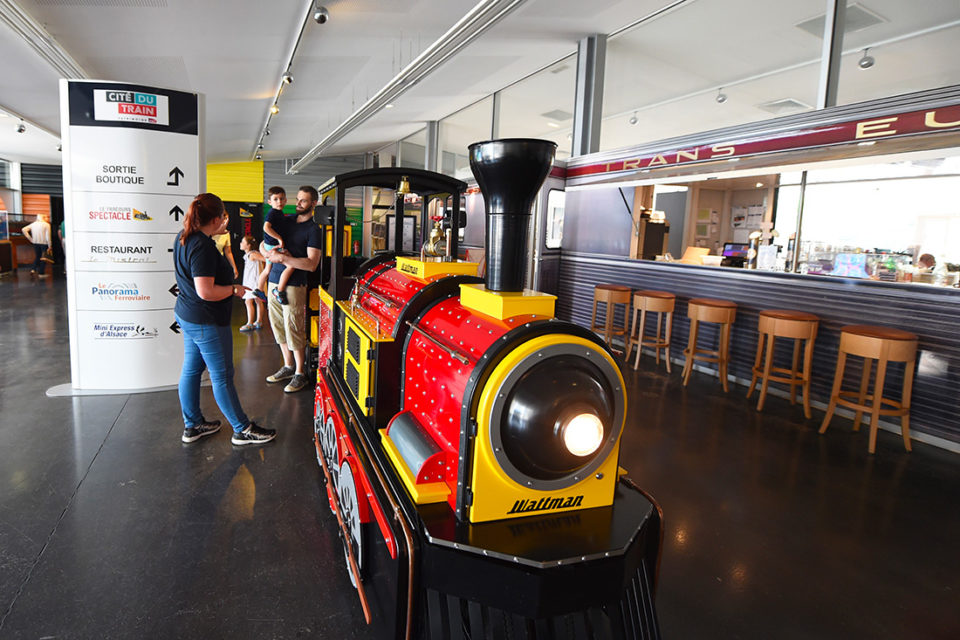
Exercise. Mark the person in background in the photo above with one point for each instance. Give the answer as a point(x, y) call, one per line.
point(277, 199)
point(222, 241)
point(62, 234)
point(203, 312)
point(926, 262)
point(38, 233)
point(252, 262)
point(303, 242)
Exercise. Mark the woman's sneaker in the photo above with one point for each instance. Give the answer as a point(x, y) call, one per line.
point(253, 435)
point(203, 429)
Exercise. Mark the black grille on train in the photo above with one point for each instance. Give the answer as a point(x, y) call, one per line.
point(353, 344)
point(353, 380)
point(631, 618)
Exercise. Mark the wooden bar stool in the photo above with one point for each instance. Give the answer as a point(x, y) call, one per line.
point(661, 303)
point(722, 312)
point(801, 327)
point(611, 295)
point(884, 345)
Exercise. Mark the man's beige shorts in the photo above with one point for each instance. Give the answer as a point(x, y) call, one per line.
point(288, 321)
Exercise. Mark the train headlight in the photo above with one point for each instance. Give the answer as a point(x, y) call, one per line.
point(582, 434)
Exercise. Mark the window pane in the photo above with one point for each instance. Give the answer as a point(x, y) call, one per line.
point(911, 50)
point(412, 150)
point(664, 77)
point(541, 106)
point(460, 130)
point(556, 201)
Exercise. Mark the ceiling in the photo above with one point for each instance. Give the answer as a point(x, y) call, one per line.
point(668, 70)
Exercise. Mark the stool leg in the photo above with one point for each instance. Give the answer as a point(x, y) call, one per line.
point(656, 343)
point(877, 400)
point(835, 392)
point(666, 349)
point(768, 362)
point(633, 338)
point(689, 351)
point(608, 324)
point(793, 371)
point(754, 373)
point(642, 312)
point(905, 404)
point(724, 355)
point(807, 365)
point(864, 386)
point(593, 321)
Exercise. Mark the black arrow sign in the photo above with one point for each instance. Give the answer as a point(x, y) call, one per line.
point(174, 290)
point(176, 212)
point(176, 174)
point(175, 327)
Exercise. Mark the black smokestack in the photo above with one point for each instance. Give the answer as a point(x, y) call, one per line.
point(509, 173)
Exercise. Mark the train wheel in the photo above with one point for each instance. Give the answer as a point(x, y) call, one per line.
point(350, 510)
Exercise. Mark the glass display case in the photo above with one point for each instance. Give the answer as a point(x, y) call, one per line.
point(4, 226)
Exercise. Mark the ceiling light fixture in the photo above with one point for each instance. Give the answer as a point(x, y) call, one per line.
point(274, 109)
point(40, 40)
point(266, 132)
point(258, 156)
point(759, 184)
point(867, 60)
point(21, 128)
point(553, 124)
point(388, 106)
point(634, 119)
point(721, 96)
point(475, 23)
point(260, 145)
point(287, 77)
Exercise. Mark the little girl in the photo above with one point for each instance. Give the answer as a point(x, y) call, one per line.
point(252, 261)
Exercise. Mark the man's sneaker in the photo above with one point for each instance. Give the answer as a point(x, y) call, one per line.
point(284, 373)
point(298, 382)
point(259, 294)
point(253, 435)
point(280, 296)
point(203, 429)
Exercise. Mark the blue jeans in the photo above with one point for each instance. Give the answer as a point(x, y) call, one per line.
point(39, 265)
point(208, 346)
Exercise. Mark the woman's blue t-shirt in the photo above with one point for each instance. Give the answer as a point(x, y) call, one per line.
point(198, 257)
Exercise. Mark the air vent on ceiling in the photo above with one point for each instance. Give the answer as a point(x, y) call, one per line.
point(784, 106)
point(562, 67)
point(858, 18)
point(557, 114)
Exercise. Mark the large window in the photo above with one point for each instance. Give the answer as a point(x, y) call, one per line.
point(541, 106)
point(460, 130)
point(412, 150)
point(711, 64)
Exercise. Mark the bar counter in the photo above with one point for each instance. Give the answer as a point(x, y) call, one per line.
point(931, 312)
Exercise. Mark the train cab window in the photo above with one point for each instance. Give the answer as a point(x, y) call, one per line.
point(556, 200)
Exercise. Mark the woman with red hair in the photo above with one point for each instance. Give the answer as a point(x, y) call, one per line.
point(203, 310)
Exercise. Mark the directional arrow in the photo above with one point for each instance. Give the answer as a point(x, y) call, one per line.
point(176, 212)
point(175, 327)
point(174, 290)
point(176, 174)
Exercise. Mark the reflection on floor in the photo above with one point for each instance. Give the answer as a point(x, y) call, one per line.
point(110, 527)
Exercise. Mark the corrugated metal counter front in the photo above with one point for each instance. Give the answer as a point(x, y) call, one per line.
point(931, 312)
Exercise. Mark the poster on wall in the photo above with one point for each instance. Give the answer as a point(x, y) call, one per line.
point(132, 163)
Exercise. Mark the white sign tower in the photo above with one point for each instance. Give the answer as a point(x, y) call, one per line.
point(133, 160)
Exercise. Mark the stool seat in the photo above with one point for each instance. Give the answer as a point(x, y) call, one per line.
point(799, 326)
point(881, 333)
point(661, 303)
point(611, 295)
point(883, 344)
point(722, 312)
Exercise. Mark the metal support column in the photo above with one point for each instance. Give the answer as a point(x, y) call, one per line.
point(833, 27)
point(432, 149)
point(495, 120)
point(591, 60)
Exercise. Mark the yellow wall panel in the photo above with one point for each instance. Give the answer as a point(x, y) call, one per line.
point(236, 181)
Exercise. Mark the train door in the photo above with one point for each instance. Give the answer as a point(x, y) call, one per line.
point(546, 234)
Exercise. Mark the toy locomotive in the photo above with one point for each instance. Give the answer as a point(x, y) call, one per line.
point(470, 440)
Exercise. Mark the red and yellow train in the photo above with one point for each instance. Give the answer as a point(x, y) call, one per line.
point(470, 440)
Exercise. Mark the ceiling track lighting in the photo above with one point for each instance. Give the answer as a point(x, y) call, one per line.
point(39, 39)
point(274, 109)
point(260, 145)
point(258, 156)
point(721, 96)
point(867, 60)
point(287, 77)
point(21, 128)
point(633, 119)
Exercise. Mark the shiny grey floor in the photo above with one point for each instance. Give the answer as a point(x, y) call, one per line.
point(111, 528)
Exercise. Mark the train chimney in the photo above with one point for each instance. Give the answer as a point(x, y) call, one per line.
point(509, 173)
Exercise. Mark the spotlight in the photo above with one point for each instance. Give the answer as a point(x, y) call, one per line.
point(274, 109)
point(260, 145)
point(59, 147)
point(633, 119)
point(258, 156)
point(287, 77)
point(867, 60)
point(721, 96)
point(266, 132)
point(21, 128)
point(320, 14)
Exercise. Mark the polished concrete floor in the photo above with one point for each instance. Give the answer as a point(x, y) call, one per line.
point(111, 528)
